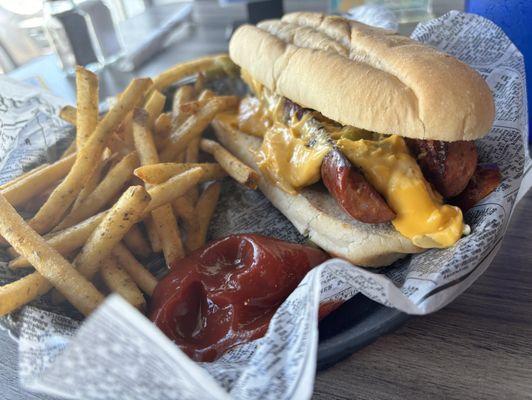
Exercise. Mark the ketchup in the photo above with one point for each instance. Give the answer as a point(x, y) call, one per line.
point(225, 293)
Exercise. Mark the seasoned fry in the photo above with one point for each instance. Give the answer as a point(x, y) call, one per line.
point(163, 218)
point(23, 176)
point(25, 188)
point(143, 139)
point(154, 107)
point(69, 114)
point(124, 214)
point(109, 187)
point(135, 241)
point(163, 125)
point(173, 188)
point(47, 261)
point(191, 156)
point(158, 173)
point(171, 242)
point(183, 70)
point(153, 235)
point(147, 154)
point(125, 131)
point(232, 165)
point(72, 238)
point(191, 107)
point(63, 196)
point(33, 204)
point(18, 293)
point(192, 152)
point(87, 104)
point(118, 280)
point(64, 241)
point(118, 146)
point(205, 95)
point(204, 211)
point(195, 125)
point(142, 277)
point(182, 95)
point(92, 181)
point(199, 85)
point(184, 209)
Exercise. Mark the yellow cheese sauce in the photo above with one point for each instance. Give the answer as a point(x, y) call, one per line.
point(291, 155)
point(286, 158)
point(421, 214)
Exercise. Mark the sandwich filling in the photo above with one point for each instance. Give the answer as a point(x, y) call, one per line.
point(295, 142)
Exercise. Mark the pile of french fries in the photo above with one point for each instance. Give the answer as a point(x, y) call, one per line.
point(129, 186)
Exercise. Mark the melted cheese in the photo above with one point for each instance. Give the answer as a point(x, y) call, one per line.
point(285, 157)
point(420, 213)
point(287, 160)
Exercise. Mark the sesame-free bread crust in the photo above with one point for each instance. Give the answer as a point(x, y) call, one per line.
point(314, 212)
point(366, 77)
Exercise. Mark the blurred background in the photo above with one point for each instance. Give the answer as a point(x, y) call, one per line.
point(33, 28)
point(41, 41)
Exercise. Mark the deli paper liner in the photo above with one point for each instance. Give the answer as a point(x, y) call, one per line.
point(118, 353)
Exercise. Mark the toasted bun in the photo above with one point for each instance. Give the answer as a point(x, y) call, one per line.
point(315, 213)
point(366, 77)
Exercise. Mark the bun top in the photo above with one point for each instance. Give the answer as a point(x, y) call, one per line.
point(366, 77)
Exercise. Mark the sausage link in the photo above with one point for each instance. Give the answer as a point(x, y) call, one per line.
point(352, 191)
point(447, 165)
point(485, 180)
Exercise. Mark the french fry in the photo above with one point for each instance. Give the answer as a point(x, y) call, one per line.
point(25, 188)
point(68, 114)
point(18, 293)
point(153, 235)
point(162, 129)
point(92, 181)
point(199, 85)
point(64, 241)
point(118, 280)
point(192, 152)
point(195, 125)
point(33, 204)
point(143, 139)
point(180, 71)
point(74, 237)
point(173, 188)
point(135, 241)
point(168, 231)
point(232, 165)
point(62, 197)
point(127, 211)
point(25, 175)
point(163, 125)
point(125, 131)
point(145, 146)
point(191, 107)
point(47, 261)
point(113, 182)
point(184, 209)
point(182, 95)
point(119, 146)
point(154, 107)
point(87, 105)
point(142, 277)
point(158, 173)
point(191, 156)
point(205, 95)
point(163, 218)
point(204, 211)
